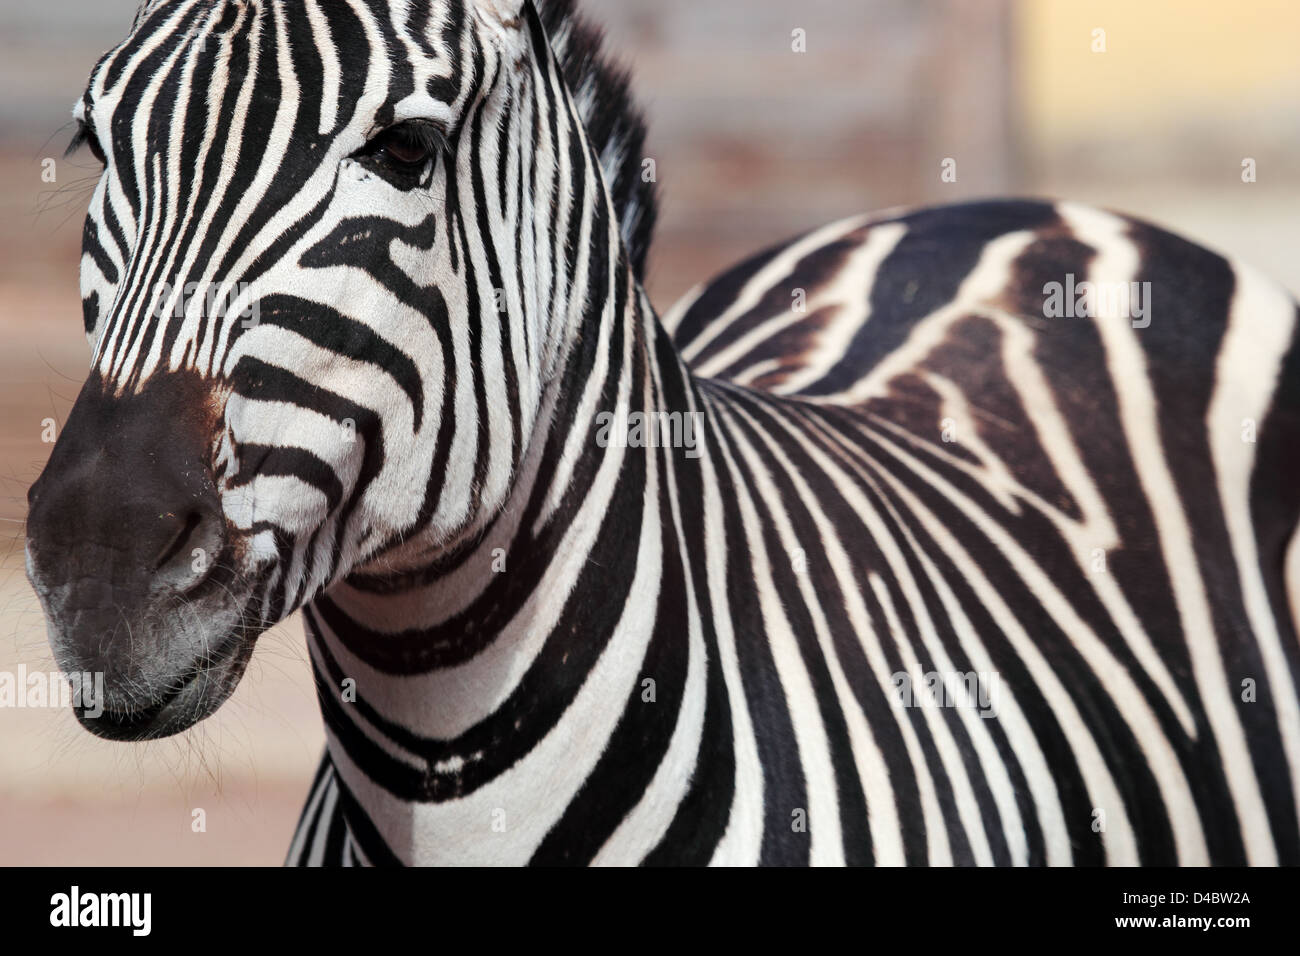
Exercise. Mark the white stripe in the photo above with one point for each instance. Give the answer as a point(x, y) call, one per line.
point(1261, 323)
point(741, 844)
point(849, 294)
point(779, 267)
point(297, 848)
point(330, 801)
point(329, 60)
point(1117, 261)
point(872, 768)
point(822, 812)
point(645, 825)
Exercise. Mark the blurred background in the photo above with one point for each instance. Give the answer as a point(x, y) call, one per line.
point(1148, 107)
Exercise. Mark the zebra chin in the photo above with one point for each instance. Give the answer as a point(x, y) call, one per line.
point(174, 703)
point(157, 666)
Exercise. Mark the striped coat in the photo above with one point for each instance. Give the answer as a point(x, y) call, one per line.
point(1101, 536)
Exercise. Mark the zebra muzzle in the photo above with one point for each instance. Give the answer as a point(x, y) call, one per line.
point(128, 550)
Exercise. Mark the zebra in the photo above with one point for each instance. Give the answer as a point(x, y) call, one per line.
point(362, 282)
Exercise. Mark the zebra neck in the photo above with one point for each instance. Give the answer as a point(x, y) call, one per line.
point(520, 679)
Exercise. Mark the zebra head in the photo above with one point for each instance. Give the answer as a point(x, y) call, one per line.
point(330, 274)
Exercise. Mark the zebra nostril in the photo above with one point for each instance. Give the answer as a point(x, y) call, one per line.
point(184, 531)
point(191, 547)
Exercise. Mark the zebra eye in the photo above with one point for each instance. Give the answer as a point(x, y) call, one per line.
point(406, 147)
point(85, 136)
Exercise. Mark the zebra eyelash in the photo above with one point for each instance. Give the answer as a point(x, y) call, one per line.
point(421, 135)
point(85, 136)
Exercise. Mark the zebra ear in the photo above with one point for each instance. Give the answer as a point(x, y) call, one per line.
point(505, 12)
point(142, 12)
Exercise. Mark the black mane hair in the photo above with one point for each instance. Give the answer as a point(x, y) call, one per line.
point(615, 126)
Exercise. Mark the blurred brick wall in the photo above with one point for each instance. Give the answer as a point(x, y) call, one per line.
point(754, 142)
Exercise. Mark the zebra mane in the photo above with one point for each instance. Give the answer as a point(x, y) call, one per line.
point(141, 13)
point(614, 124)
